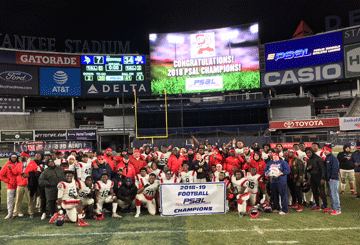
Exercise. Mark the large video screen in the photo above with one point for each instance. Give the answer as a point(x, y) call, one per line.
point(222, 59)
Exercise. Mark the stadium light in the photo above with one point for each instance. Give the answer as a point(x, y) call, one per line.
point(254, 28)
point(153, 37)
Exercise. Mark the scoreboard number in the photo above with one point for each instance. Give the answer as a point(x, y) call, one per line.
point(98, 60)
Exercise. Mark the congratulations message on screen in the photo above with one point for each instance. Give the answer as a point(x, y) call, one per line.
point(205, 61)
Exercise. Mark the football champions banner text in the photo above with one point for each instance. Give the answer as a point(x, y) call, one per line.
point(192, 198)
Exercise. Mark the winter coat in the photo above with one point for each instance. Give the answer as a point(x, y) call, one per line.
point(355, 158)
point(175, 163)
point(344, 163)
point(282, 166)
point(297, 168)
point(126, 191)
point(96, 173)
point(318, 166)
point(201, 170)
point(49, 180)
point(7, 176)
point(332, 167)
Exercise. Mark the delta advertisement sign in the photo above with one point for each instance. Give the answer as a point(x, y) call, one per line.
point(205, 61)
point(313, 123)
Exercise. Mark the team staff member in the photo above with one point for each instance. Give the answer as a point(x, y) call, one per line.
point(100, 167)
point(175, 161)
point(126, 195)
point(137, 161)
point(10, 179)
point(21, 171)
point(49, 180)
point(346, 169)
point(278, 183)
point(316, 168)
point(201, 168)
point(233, 163)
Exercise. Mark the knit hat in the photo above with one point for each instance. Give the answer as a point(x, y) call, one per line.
point(25, 154)
point(328, 146)
point(276, 154)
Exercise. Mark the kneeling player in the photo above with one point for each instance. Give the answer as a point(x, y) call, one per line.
point(255, 181)
point(67, 199)
point(242, 185)
point(86, 190)
point(169, 178)
point(104, 193)
point(146, 195)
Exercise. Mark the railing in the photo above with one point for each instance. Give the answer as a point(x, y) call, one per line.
point(352, 105)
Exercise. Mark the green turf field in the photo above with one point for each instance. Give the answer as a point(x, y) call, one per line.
point(173, 85)
point(308, 227)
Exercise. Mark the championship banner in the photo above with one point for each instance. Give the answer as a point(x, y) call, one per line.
point(192, 198)
point(349, 123)
point(314, 123)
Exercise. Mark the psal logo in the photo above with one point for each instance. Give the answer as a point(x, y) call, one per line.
point(289, 124)
point(60, 77)
point(15, 76)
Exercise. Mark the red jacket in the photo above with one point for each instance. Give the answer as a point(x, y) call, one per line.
point(7, 176)
point(18, 171)
point(129, 171)
point(214, 161)
point(231, 162)
point(109, 159)
point(259, 165)
point(137, 163)
point(175, 163)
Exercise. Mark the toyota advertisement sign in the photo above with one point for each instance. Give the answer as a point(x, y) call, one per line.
point(60, 81)
point(313, 123)
point(18, 80)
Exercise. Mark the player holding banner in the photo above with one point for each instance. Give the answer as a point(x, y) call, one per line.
point(146, 195)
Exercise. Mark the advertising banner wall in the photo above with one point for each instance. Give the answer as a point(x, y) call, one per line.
point(10, 104)
point(351, 35)
point(19, 80)
point(60, 81)
point(205, 61)
point(13, 136)
point(7, 57)
point(302, 75)
point(48, 135)
point(352, 60)
point(309, 51)
point(81, 134)
point(349, 123)
point(192, 198)
point(313, 123)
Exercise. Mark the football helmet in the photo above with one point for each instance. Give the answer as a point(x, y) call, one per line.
point(273, 172)
point(60, 220)
point(305, 187)
point(266, 207)
point(254, 212)
point(99, 216)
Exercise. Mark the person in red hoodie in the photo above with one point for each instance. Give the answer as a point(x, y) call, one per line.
point(138, 162)
point(175, 161)
point(233, 163)
point(257, 163)
point(110, 159)
point(10, 179)
point(215, 158)
point(21, 171)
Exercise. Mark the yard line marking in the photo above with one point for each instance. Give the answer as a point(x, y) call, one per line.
point(256, 229)
point(282, 242)
point(261, 219)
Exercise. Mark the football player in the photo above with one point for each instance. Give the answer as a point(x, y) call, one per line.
point(255, 181)
point(86, 191)
point(68, 200)
point(240, 184)
point(169, 178)
point(146, 195)
point(85, 168)
point(142, 178)
point(187, 176)
point(104, 193)
point(219, 169)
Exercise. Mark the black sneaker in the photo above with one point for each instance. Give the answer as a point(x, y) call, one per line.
point(15, 217)
point(357, 198)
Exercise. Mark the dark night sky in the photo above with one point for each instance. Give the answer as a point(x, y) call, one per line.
point(133, 20)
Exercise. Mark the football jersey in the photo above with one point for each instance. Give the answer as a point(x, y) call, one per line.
point(104, 188)
point(164, 157)
point(253, 182)
point(84, 190)
point(58, 161)
point(216, 176)
point(151, 189)
point(85, 170)
point(157, 172)
point(239, 151)
point(67, 191)
point(238, 184)
point(141, 181)
point(169, 181)
point(189, 177)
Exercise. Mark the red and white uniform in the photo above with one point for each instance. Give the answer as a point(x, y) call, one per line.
point(84, 192)
point(104, 194)
point(188, 177)
point(157, 172)
point(169, 181)
point(147, 197)
point(141, 181)
point(163, 157)
point(242, 198)
point(216, 176)
point(85, 170)
point(69, 198)
point(254, 183)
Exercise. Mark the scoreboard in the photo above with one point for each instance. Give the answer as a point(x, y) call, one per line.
point(108, 69)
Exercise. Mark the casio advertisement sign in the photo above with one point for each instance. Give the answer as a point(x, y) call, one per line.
point(302, 75)
point(309, 51)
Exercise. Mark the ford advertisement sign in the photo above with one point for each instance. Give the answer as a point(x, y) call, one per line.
point(60, 81)
point(314, 50)
point(18, 80)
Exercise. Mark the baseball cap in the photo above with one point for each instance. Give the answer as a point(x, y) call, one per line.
point(126, 157)
point(119, 169)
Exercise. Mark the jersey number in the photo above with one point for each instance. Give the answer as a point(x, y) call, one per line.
point(72, 192)
point(251, 185)
point(149, 193)
point(105, 193)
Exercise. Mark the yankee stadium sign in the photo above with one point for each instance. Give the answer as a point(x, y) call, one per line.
point(69, 46)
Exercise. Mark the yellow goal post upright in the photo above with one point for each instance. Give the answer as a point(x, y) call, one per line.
point(166, 122)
